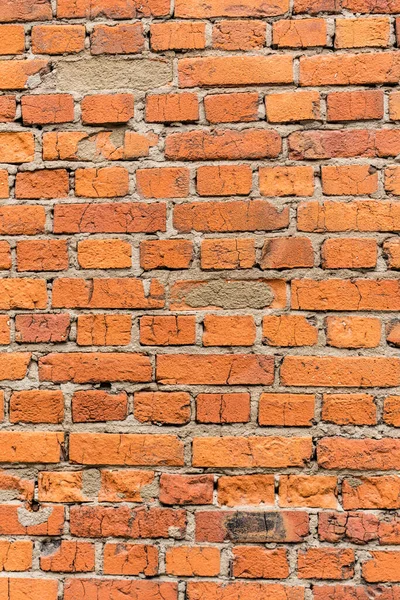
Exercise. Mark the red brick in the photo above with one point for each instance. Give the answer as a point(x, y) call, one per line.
point(41, 328)
point(111, 9)
point(145, 590)
point(326, 563)
point(45, 109)
point(104, 330)
point(25, 10)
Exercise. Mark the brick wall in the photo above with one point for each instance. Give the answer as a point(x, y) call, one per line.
point(199, 292)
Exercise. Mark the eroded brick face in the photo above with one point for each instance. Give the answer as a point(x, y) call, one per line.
point(199, 296)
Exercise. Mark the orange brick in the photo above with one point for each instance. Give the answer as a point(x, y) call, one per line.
point(5, 255)
point(15, 556)
point(103, 108)
point(163, 183)
point(37, 406)
point(353, 332)
point(223, 408)
point(326, 563)
point(42, 255)
point(58, 39)
point(240, 490)
point(252, 562)
point(8, 108)
point(354, 253)
point(394, 106)
point(238, 35)
point(360, 33)
point(162, 407)
point(167, 108)
point(46, 183)
point(235, 70)
point(286, 181)
point(392, 180)
point(228, 253)
point(130, 559)
point(49, 108)
point(126, 38)
point(293, 410)
point(186, 561)
point(69, 557)
point(126, 485)
point(292, 106)
point(224, 8)
point(104, 254)
point(391, 411)
point(299, 33)
point(382, 566)
point(231, 108)
point(91, 406)
point(12, 39)
point(16, 147)
point(313, 491)
point(177, 35)
point(349, 409)
point(352, 180)
point(104, 330)
point(287, 253)
point(228, 331)
point(30, 446)
point(186, 489)
point(169, 254)
point(4, 336)
point(224, 180)
point(358, 106)
point(106, 182)
point(15, 75)
point(393, 333)
point(167, 330)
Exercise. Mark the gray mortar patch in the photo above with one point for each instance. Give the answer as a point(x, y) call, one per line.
point(106, 73)
point(28, 518)
point(230, 294)
point(91, 483)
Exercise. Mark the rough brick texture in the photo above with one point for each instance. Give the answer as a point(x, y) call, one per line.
point(199, 300)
